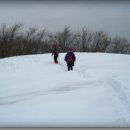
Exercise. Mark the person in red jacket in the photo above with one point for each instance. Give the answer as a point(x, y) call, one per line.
point(55, 52)
point(70, 59)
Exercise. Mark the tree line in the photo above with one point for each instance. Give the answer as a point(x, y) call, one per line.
point(15, 41)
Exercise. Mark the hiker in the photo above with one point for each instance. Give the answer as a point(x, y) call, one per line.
point(55, 52)
point(70, 59)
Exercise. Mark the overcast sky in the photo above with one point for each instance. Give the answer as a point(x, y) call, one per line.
point(111, 17)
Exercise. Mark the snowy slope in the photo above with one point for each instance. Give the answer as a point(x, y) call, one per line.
point(35, 92)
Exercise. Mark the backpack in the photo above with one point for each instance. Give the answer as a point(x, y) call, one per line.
point(69, 58)
point(55, 50)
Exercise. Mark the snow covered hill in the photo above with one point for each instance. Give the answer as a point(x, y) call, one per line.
point(35, 92)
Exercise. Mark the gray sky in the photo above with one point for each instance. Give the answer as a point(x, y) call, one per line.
point(111, 17)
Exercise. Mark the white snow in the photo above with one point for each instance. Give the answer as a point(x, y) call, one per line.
point(35, 92)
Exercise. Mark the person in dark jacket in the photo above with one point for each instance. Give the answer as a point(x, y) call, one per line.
point(55, 52)
point(70, 59)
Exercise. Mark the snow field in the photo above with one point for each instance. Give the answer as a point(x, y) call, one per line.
point(35, 92)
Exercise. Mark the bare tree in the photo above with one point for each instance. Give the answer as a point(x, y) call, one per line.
point(100, 42)
point(7, 37)
point(65, 39)
point(119, 45)
point(14, 42)
point(85, 39)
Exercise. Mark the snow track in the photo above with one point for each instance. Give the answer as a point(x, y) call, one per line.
point(56, 90)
